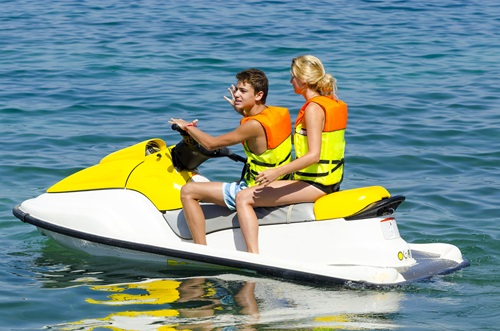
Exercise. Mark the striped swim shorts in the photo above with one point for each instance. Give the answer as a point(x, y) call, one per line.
point(229, 191)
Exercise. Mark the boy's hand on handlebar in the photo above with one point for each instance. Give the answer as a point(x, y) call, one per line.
point(182, 123)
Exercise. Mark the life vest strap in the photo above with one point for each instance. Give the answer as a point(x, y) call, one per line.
point(253, 174)
point(331, 162)
point(322, 174)
point(271, 165)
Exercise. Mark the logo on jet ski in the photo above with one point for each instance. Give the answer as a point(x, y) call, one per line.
point(403, 255)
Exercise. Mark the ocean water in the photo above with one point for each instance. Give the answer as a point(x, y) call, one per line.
point(80, 79)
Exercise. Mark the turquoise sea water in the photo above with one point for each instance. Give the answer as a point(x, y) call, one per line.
point(80, 79)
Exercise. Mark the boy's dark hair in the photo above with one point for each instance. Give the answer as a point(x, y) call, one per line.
point(257, 78)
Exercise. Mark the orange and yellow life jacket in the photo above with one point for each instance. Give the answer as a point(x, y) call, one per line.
point(277, 125)
point(330, 168)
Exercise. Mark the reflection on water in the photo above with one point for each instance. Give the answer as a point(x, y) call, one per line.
point(178, 304)
point(93, 293)
point(233, 302)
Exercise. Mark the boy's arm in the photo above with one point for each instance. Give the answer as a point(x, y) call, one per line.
point(245, 131)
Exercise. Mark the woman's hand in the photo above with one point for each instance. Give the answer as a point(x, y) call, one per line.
point(266, 177)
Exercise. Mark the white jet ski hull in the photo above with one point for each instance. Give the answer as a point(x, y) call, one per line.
point(124, 223)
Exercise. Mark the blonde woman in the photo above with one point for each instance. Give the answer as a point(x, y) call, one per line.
point(319, 148)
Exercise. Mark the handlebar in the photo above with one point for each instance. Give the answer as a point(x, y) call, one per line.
point(236, 157)
point(220, 152)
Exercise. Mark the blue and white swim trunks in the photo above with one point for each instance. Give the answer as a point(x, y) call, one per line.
point(229, 191)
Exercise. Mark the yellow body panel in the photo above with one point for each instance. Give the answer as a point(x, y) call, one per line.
point(157, 179)
point(152, 175)
point(99, 176)
point(137, 151)
point(346, 203)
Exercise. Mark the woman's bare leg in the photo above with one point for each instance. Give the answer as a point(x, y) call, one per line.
point(278, 193)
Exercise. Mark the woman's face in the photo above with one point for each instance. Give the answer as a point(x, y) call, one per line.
point(298, 86)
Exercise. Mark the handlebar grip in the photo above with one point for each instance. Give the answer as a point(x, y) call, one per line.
point(178, 129)
point(215, 153)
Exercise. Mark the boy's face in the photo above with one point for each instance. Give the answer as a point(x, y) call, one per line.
point(245, 97)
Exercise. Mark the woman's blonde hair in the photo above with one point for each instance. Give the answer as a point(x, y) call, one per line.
point(310, 70)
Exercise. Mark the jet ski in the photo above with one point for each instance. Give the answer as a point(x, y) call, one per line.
point(128, 206)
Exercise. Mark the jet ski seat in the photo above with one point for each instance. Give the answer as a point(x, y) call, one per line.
point(221, 218)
